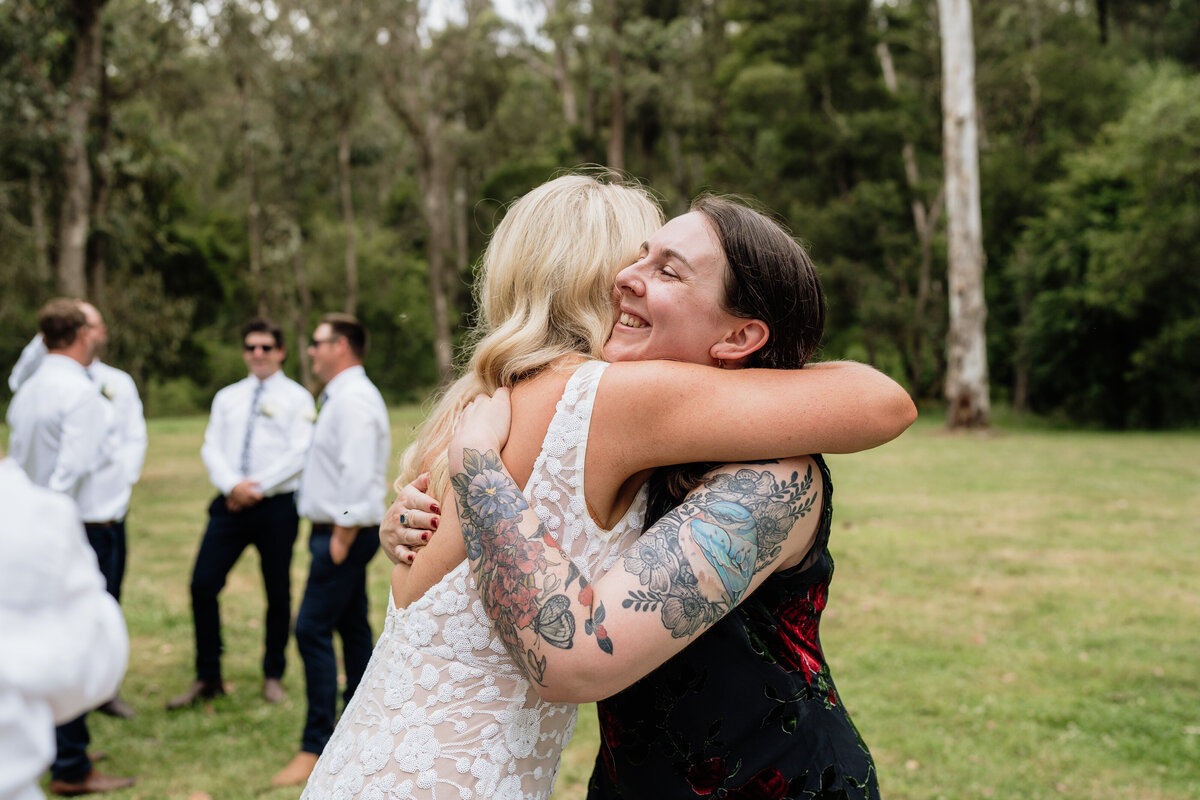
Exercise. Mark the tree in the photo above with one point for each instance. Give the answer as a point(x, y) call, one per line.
point(82, 88)
point(926, 218)
point(1113, 331)
point(968, 404)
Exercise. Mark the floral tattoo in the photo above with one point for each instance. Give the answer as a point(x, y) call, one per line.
point(738, 523)
point(511, 569)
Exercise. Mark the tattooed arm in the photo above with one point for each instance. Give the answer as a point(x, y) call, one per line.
point(579, 642)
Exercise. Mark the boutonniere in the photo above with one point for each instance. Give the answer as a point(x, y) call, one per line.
point(106, 392)
point(311, 415)
point(267, 410)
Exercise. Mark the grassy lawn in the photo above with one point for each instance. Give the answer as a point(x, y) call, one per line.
point(1014, 615)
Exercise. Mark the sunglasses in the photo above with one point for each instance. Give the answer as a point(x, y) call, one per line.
point(250, 348)
point(314, 343)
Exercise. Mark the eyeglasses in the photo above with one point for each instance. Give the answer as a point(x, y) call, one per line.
point(250, 348)
point(314, 343)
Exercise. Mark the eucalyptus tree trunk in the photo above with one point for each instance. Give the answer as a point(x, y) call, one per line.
point(347, 197)
point(75, 215)
point(97, 252)
point(966, 363)
point(41, 237)
point(301, 311)
point(560, 28)
point(616, 124)
point(433, 177)
point(253, 208)
point(409, 92)
point(925, 223)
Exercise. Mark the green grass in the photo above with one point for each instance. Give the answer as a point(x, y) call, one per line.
point(1014, 615)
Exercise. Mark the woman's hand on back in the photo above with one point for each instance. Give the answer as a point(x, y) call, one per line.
point(483, 425)
point(409, 522)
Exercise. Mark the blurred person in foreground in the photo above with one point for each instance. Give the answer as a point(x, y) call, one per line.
point(60, 423)
point(65, 645)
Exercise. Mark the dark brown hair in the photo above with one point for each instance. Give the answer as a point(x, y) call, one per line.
point(60, 322)
point(769, 277)
point(350, 329)
point(264, 325)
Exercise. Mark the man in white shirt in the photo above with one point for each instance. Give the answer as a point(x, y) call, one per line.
point(104, 497)
point(60, 423)
point(254, 449)
point(342, 492)
point(65, 646)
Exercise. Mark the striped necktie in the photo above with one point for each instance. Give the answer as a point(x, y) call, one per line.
point(250, 430)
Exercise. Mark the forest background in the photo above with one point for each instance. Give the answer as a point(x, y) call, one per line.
point(186, 165)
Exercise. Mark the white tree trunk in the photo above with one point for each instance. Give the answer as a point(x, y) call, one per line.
point(966, 367)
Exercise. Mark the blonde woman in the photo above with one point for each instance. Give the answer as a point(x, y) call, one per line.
point(445, 710)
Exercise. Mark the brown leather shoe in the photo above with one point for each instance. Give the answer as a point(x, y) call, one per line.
point(117, 708)
point(199, 689)
point(297, 772)
point(94, 782)
point(273, 691)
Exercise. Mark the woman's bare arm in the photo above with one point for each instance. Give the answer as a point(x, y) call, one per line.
point(654, 413)
point(579, 641)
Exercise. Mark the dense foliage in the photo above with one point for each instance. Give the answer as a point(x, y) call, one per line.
point(302, 157)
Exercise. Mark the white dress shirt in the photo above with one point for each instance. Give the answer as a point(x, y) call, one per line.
point(345, 477)
point(64, 641)
point(105, 495)
point(27, 364)
point(279, 440)
point(59, 423)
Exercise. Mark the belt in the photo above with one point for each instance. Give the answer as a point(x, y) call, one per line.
point(106, 524)
point(322, 527)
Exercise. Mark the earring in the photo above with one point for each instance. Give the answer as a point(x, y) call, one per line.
point(720, 363)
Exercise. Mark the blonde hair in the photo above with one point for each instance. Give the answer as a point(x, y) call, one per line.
point(545, 292)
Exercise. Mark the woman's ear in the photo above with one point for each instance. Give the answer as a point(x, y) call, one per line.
point(748, 337)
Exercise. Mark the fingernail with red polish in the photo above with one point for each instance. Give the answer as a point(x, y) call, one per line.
point(434, 523)
point(425, 536)
point(435, 508)
point(408, 558)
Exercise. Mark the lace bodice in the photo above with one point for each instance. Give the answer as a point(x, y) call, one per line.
point(442, 711)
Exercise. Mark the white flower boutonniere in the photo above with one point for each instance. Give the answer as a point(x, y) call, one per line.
point(311, 415)
point(106, 392)
point(267, 410)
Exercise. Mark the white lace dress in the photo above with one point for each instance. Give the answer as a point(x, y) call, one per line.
point(442, 711)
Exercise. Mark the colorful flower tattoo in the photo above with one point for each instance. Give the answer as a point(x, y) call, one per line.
point(738, 523)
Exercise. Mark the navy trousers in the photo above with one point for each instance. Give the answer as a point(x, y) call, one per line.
point(71, 762)
point(270, 526)
point(335, 599)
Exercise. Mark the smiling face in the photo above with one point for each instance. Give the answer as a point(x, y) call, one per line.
point(263, 356)
point(669, 300)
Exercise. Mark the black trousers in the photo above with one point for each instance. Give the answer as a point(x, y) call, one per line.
point(71, 762)
point(335, 599)
point(270, 526)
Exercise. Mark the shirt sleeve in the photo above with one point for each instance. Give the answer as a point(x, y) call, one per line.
point(223, 475)
point(131, 454)
point(83, 437)
point(27, 364)
point(363, 438)
point(300, 433)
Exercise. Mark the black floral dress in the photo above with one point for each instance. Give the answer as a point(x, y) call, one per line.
point(748, 710)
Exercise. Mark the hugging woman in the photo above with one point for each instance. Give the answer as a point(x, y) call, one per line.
point(461, 698)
